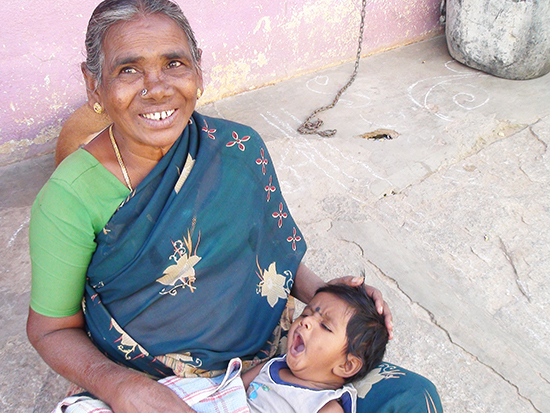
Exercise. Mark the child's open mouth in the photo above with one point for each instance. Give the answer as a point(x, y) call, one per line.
point(298, 344)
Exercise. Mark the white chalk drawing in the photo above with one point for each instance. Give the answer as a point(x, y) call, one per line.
point(441, 94)
point(14, 236)
point(351, 98)
point(279, 124)
point(334, 167)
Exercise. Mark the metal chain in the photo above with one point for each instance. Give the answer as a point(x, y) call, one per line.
point(313, 123)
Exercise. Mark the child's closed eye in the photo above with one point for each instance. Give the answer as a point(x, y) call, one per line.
point(326, 327)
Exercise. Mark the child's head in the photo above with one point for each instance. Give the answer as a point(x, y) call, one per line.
point(366, 331)
point(338, 338)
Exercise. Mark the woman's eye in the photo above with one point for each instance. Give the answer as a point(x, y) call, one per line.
point(128, 70)
point(174, 64)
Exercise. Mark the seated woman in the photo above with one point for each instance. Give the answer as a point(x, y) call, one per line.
point(155, 248)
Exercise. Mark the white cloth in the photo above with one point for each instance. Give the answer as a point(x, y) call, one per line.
point(269, 394)
point(221, 394)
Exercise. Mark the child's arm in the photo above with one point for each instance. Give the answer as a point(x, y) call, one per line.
point(332, 407)
point(251, 374)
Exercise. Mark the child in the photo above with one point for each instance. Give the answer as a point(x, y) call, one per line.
point(338, 338)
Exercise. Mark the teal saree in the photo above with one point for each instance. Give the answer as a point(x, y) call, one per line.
point(195, 267)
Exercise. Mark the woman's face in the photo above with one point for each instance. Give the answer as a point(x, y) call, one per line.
point(151, 53)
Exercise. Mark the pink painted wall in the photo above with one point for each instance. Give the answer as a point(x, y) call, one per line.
point(247, 44)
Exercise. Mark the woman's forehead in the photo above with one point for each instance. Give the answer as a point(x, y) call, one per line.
point(149, 34)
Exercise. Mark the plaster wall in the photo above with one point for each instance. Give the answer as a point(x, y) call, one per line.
point(246, 44)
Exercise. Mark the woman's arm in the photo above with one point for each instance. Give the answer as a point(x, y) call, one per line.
point(307, 282)
point(79, 129)
point(65, 347)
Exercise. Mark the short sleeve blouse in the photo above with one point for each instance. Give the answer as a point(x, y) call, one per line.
point(71, 209)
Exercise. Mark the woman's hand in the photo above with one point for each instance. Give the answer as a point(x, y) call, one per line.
point(307, 282)
point(140, 394)
point(381, 306)
point(64, 345)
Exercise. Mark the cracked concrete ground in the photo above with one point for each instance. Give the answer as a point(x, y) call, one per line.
point(450, 220)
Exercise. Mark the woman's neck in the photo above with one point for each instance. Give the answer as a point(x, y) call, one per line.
point(138, 159)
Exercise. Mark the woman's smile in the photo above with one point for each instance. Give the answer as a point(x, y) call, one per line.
point(150, 83)
point(156, 116)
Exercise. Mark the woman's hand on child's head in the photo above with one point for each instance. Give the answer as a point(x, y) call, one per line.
point(372, 292)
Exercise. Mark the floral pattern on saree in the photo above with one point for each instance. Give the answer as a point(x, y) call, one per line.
point(197, 236)
point(127, 344)
point(182, 273)
point(280, 215)
point(262, 160)
point(274, 286)
point(269, 188)
point(383, 371)
point(238, 141)
point(210, 132)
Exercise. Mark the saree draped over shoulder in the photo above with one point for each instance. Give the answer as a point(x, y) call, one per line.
point(198, 262)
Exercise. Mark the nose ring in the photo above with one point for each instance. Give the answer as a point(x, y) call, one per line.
point(144, 92)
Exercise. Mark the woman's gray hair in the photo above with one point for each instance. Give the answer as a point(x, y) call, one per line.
point(110, 12)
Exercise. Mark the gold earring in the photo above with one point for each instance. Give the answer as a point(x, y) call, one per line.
point(98, 108)
point(199, 93)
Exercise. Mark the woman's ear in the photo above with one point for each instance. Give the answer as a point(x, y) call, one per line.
point(199, 71)
point(199, 57)
point(349, 367)
point(91, 85)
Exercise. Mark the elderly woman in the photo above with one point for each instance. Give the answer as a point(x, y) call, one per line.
point(157, 248)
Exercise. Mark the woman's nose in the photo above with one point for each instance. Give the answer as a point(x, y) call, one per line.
point(157, 85)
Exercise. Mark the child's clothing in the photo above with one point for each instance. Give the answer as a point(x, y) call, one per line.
point(268, 393)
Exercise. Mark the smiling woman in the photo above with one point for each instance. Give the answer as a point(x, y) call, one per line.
point(153, 55)
point(155, 248)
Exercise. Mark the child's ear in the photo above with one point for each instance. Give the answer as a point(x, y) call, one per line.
point(349, 367)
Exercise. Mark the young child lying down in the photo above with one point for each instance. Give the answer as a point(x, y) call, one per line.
point(338, 338)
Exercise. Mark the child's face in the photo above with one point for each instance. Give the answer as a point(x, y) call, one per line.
point(317, 340)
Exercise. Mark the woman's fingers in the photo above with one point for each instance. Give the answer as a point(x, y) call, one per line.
point(376, 295)
point(381, 306)
point(349, 280)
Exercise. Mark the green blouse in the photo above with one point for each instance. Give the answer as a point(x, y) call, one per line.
point(71, 209)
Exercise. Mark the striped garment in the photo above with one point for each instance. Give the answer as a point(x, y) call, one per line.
point(221, 394)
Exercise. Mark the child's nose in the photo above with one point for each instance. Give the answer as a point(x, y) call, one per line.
point(311, 321)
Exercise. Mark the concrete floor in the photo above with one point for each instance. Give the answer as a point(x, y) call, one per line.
point(451, 220)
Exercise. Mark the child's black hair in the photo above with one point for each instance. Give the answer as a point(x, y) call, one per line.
point(366, 330)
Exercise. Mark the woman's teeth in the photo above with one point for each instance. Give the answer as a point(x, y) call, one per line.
point(158, 115)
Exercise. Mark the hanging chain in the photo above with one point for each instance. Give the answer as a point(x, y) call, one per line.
point(313, 123)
